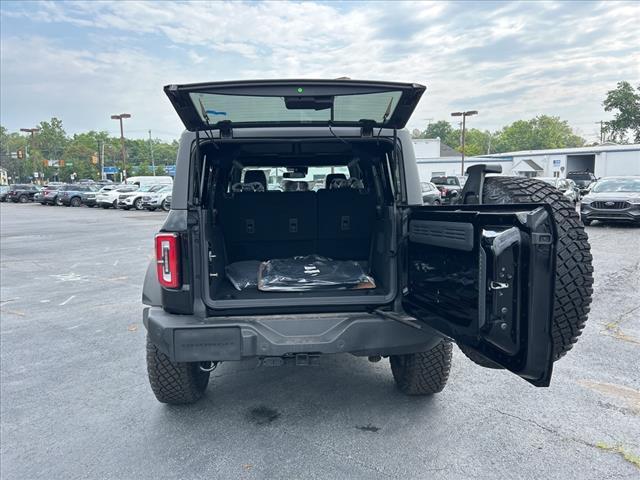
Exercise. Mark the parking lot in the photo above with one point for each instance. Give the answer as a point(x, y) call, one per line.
point(76, 402)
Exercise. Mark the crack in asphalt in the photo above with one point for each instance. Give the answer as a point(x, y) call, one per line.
point(556, 432)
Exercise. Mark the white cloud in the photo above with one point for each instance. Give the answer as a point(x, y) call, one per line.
point(544, 57)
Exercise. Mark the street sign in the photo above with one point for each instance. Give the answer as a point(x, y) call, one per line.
point(556, 162)
point(109, 170)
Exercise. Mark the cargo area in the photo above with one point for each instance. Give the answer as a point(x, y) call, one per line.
point(331, 198)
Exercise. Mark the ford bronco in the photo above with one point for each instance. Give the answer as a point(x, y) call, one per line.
point(269, 172)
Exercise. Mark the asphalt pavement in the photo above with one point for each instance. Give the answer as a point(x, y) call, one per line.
point(75, 401)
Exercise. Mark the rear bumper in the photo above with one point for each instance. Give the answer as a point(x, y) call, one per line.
point(185, 338)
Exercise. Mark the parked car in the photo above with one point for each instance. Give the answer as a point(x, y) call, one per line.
point(612, 199)
point(107, 197)
point(102, 183)
point(567, 186)
point(143, 180)
point(584, 180)
point(158, 199)
point(48, 195)
point(89, 198)
point(133, 199)
point(71, 195)
point(430, 194)
point(508, 280)
point(3, 192)
point(22, 192)
point(449, 187)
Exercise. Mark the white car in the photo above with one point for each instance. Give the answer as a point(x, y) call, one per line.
point(107, 197)
point(133, 199)
point(157, 199)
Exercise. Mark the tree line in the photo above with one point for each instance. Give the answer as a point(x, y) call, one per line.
point(80, 152)
point(59, 156)
point(544, 132)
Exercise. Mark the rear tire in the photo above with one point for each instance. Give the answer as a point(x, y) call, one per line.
point(174, 383)
point(75, 202)
point(165, 206)
point(58, 202)
point(574, 270)
point(423, 373)
point(137, 204)
point(23, 199)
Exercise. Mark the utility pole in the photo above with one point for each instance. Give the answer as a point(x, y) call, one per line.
point(32, 131)
point(124, 151)
point(464, 116)
point(153, 164)
point(601, 122)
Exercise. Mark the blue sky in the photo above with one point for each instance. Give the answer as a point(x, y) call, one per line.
point(83, 61)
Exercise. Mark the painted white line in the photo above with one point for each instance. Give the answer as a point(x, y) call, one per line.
point(115, 263)
point(45, 301)
point(66, 301)
point(74, 265)
point(74, 327)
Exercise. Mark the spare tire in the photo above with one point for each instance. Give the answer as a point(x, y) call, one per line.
point(574, 270)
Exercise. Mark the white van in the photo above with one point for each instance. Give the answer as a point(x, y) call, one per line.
point(149, 180)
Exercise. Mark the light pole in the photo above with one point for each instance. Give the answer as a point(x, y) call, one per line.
point(153, 163)
point(124, 152)
point(464, 116)
point(32, 131)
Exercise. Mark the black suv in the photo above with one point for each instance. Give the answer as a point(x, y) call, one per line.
point(359, 265)
point(22, 192)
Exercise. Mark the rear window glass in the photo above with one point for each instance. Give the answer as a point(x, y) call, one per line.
point(315, 178)
point(249, 109)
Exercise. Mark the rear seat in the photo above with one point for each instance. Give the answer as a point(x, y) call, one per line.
point(264, 225)
point(261, 225)
point(345, 223)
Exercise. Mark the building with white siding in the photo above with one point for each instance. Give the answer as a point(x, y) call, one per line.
point(602, 160)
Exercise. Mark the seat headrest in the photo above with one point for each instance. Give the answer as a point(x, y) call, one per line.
point(252, 176)
point(331, 177)
point(247, 187)
point(341, 183)
point(293, 186)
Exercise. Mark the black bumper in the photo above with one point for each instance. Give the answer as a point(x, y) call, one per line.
point(185, 338)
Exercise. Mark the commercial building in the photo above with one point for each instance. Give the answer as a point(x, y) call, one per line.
point(602, 160)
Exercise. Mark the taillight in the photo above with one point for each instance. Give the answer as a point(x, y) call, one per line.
point(445, 190)
point(168, 259)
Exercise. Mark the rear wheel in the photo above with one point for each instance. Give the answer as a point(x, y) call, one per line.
point(138, 203)
point(423, 373)
point(165, 206)
point(574, 272)
point(58, 201)
point(75, 202)
point(23, 199)
point(115, 204)
point(174, 383)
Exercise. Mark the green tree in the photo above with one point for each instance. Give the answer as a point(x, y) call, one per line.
point(625, 101)
point(536, 134)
